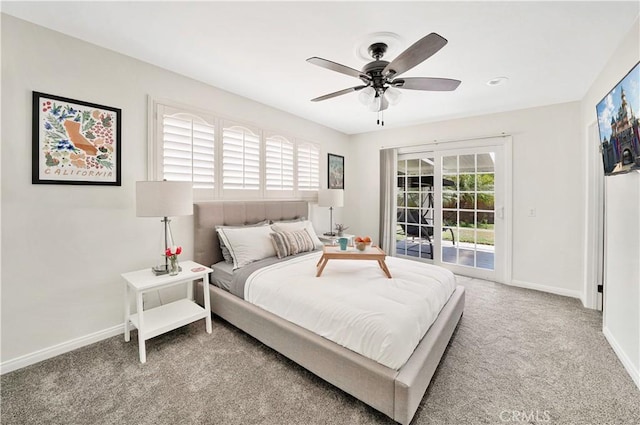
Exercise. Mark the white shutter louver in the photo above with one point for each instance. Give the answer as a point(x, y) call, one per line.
point(240, 159)
point(308, 166)
point(278, 163)
point(188, 150)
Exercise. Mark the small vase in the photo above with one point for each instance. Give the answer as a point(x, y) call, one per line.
point(340, 233)
point(173, 265)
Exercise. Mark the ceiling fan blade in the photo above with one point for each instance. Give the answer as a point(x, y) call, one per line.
point(338, 93)
point(415, 54)
point(334, 66)
point(426, 83)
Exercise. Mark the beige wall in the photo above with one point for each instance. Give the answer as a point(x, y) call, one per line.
point(64, 247)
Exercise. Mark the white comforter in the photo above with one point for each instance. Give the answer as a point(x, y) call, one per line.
point(354, 304)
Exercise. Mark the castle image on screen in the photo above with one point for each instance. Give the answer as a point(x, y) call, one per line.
point(618, 122)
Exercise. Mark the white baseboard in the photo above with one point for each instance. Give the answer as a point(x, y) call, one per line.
point(551, 289)
point(626, 362)
point(47, 353)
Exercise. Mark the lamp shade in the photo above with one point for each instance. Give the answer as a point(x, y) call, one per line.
point(164, 199)
point(331, 197)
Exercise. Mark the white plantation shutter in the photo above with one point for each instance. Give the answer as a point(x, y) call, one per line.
point(278, 163)
point(228, 159)
point(188, 149)
point(308, 166)
point(240, 158)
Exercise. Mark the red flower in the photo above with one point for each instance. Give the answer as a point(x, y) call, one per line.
point(173, 251)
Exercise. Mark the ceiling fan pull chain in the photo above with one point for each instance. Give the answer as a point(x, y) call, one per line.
point(380, 120)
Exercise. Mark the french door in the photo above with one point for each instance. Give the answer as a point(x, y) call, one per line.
point(452, 209)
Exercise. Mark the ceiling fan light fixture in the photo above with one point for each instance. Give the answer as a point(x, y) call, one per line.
point(393, 95)
point(374, 106)
point(367, 95)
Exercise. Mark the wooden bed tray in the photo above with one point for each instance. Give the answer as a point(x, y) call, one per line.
point(397, 394)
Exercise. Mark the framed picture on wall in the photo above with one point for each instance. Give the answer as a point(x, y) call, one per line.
point(335, 171)
point(75, 142)
point(619, 125)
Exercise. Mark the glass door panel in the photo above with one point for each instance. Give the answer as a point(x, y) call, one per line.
point(468, 210)
point(415, 207)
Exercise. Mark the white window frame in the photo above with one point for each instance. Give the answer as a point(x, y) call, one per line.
point(156, 142)
point(194, 148)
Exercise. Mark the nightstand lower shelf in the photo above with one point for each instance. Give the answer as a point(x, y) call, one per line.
point(168, 317)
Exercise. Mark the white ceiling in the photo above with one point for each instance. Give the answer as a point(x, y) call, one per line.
point(550, 51)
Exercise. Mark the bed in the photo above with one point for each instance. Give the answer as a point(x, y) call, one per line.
point(396, 393)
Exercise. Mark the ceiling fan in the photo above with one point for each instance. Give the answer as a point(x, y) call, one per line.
point(380, 77)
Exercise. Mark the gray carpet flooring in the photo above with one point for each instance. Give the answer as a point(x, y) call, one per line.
point(517, 356)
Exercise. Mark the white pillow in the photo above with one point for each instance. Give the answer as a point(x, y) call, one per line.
point(247, 244)
point(292, 226)
point(225, 251)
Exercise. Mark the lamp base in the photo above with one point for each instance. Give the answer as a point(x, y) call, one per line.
point(330, 234)
point(162, 269)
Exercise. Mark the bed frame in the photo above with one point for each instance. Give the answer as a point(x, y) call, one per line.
point(396, 393)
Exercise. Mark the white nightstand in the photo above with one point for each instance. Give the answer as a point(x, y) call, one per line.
point(158, 320)
point(328, 240)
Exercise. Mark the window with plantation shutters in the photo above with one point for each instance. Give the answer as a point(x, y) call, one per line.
point(188, 152)
point(240, 158)
point(228, 159)
point(308, 166)
point(278, 163)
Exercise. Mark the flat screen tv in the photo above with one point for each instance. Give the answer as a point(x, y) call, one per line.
point(618, 122)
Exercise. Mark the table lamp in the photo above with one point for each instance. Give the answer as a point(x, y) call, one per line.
point(330, 198)
point(164, 199)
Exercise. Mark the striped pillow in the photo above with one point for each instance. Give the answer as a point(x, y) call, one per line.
point(299, 241)
point(291, 243)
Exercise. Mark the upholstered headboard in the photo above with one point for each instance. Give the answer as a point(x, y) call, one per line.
point(207, 215)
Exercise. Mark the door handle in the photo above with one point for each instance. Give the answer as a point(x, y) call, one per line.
point(500, 212)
